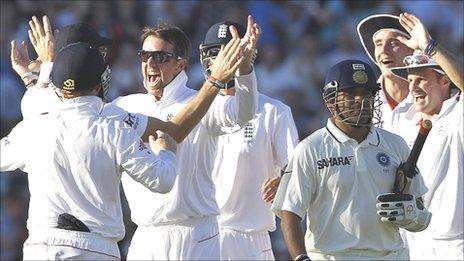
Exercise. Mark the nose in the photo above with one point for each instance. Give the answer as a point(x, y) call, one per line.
point(151, 62)
point(358, 97)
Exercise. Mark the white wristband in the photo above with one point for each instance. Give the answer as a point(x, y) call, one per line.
point(45, 71)
point(32, 75)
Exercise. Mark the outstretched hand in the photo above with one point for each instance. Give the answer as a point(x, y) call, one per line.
point(19, 57)
point(42, 38)
point(249, 42)
point(420, 37)
point(228, 59)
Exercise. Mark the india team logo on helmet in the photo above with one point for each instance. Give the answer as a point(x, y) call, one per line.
point(360, 77)
point(383, 159)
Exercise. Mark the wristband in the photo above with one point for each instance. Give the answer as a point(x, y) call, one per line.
point(430, 49)
point(216, 83)
point(45, 71)
point(302, 257)
point(32, 75)
point(31, 83)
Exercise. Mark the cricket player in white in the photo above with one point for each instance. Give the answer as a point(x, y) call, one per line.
point(338, 172)
point(442, 157)
point(75, 158)
point(245, 160)
point(378, 34)
point(182, 225)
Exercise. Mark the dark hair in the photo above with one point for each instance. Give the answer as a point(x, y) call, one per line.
point(171, 34)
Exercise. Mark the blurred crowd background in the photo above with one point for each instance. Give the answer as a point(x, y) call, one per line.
point(300, 41)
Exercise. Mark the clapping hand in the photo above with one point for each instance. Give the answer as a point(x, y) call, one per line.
point(42, 38)
point(229, 58)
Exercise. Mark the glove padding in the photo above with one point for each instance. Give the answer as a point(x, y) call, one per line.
point(402, 210)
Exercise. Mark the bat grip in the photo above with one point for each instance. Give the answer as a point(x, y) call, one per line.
point(410, 164)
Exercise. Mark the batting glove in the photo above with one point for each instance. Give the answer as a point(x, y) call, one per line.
point(402, 210)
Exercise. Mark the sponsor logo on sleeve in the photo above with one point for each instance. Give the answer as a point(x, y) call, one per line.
point(334, 161)
point(132, 120)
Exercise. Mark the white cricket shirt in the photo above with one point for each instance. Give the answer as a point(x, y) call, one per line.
point(335, 182)
point(441, 164)
point(74, 158)
point(193, 192)
point(245, 159)
point(394, 120)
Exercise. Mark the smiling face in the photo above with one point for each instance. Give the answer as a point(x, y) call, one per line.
point(157, 76)
point(389, 52)
point(429, 90)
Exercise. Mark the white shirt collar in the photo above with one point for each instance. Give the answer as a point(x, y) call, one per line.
point(90, 104)
point(406, 102)
point(175, 87)
point(371, 139)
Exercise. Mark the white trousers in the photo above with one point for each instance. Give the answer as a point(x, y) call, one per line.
point(237, 245)
point(401, 254)
point(194, 239)
point(423, 247)
point(60, 244)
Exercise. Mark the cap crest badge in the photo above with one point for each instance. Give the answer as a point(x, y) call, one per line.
point(360, 77)
point(69, 85)
point(222, 31)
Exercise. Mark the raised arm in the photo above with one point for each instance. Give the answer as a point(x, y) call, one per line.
point(421, 39)
point(246, 93)
point(223, 69)
point(35, 73)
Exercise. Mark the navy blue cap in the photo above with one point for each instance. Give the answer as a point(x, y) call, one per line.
point(350, 74)
point(78, 67)
point(220, 34)
point(80, 32)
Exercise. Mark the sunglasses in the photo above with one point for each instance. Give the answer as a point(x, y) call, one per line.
point(158, 56)
point(416, 59)
point(419, 58)
point(212, 52)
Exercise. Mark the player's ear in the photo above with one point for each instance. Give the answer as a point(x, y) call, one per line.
point(181, 65)
point(445, 80)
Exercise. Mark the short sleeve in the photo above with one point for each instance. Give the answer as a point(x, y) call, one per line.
point(12, 149)
point(296, 194)
point(285, 138)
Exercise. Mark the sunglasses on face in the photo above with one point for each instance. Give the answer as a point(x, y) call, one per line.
point(158, 56)
point(213, 52)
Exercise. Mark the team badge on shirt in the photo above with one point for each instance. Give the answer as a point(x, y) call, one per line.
point(248, 132)
point(383, 159)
